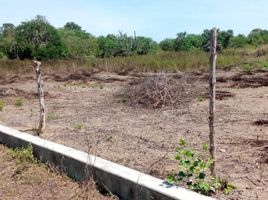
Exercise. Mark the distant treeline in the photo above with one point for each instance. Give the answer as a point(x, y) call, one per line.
point(38, 38)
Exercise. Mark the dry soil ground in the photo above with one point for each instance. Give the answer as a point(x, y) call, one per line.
point(25, 180)
point(84, 112)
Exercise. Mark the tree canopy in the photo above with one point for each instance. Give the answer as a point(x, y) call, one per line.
point(38, 38)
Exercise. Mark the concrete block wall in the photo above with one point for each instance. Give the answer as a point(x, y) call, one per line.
point(126, 183)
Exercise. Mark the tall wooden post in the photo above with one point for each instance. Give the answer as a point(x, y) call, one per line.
point(212, 94)
point(40, 84)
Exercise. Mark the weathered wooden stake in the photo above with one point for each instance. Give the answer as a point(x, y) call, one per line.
point(212, 94)
point(40, 84)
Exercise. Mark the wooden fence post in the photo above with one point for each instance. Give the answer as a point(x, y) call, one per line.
point(40, 84)
point(212, 94)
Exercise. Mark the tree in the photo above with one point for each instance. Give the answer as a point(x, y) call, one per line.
point(223, 39)
point(78, 43)
point(144, 45)
point(186, 42)
point(8, 30)
point(167, 44)
point(107, 45)
point(8, 43)
point(239, 41)
point(39, 39)
point(258, 37)
point(72, 26)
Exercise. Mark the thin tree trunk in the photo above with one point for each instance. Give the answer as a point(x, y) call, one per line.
point(212, 93)
point(40, 84)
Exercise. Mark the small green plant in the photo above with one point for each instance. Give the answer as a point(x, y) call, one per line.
point(23, 155)
point(19, 102)
point(51, 116)
point(79, 126)
point(194, 171)
point(248, 67)
point(2, 105)
point(200, 98)
point(98, 85)
point(109, 137)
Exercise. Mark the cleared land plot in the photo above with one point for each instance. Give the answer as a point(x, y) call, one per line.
point(85, 112)
point(21, 178)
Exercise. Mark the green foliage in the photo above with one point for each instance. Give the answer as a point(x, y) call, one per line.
point(144, 45)
point(167, 44)
point(200, 98)
point(124, 45)
point(37, 38)
point(79, 126)
point(194, 171)
point(19, 102)
point(186, 42)
point(51, 116)
point(72, 26)
point(23, 155)
point(2, 105)
point(258, 37)
point(239, 41)
point(78, 43)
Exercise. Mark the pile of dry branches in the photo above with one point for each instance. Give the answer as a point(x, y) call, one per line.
point(159, 91)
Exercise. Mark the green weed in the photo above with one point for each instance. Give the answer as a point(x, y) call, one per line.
point(2, 105)
point(19, 102)
point(200, 98)
point(79, 126)
point(194, 172)
point(51, 116)
point(23, 155)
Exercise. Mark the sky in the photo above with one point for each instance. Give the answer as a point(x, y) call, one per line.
point(158, 19)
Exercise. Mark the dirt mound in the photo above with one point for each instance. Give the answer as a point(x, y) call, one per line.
point(15, 92)
point(14, 79)
point(246, 79)
point(220, 95)
point(160, 91)
point(261, 122)
point(79, 75)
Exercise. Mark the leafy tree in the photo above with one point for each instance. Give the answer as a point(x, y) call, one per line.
point(8, 30)
point(78, 43)
point(144, 45)
point(124, 45)
point(257, 37)
point(107, 45)
point(167, 44)
point(8, 43)
point(188, 42)
point(72, 26)
point(39, 39)
point(239, 41)
point(224, 37)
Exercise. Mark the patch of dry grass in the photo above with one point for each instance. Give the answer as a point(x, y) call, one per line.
point(22, 177)
point(159, 62)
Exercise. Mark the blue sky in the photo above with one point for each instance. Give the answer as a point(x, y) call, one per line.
point(158, 19)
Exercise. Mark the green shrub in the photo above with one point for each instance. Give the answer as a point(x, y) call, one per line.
point(194, 172)
point(23, 155)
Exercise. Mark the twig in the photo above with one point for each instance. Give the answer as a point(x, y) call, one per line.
point(157, 161)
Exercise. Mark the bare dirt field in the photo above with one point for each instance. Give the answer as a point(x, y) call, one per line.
point(85, 111)
point(22, 179)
